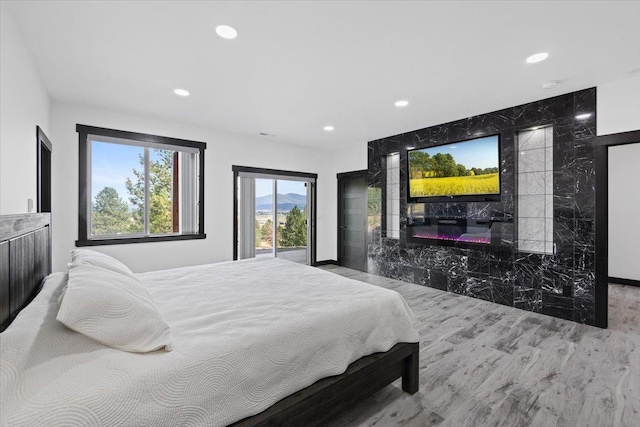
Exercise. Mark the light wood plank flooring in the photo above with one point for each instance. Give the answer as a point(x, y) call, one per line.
point(484, 364)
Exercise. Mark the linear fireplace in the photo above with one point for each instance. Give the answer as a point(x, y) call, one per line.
point(453, 231)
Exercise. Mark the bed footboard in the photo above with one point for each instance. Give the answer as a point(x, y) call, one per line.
point(327, 397)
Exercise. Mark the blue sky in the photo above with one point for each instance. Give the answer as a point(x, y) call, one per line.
point(265, 186)
point(477, 153)
point(112, 164)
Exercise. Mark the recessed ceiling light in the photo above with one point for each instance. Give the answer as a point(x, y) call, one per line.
point(226, 32)
point(181, 92)
point(550, 84)
point(537, 57)
point(328, 128)
point(401, 103)
point(583, 116)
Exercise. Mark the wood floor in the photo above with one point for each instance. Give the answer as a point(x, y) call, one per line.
point(484, 364)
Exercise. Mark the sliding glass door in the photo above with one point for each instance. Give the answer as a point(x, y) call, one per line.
point(265, 223)
point(292, 220)
point(274, 217)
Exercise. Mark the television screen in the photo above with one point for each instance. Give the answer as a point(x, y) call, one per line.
point(460, 169)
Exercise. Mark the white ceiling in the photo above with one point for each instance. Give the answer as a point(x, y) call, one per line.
point(298, 66)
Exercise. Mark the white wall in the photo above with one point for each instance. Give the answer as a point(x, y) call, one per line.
point(24, 104)
point(350, 159)
point(222, 152)
point(619, 111)
point(624, 205)
point(618, 106)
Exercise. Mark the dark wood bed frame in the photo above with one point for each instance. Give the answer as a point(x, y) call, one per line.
point(25, 259)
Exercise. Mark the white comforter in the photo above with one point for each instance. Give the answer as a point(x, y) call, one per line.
point(246, 334)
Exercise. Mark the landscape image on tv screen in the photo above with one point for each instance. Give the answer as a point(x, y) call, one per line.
point(464, 168)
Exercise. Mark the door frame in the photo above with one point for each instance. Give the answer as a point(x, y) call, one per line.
point(236, 169)
point(341, 177)
point(43, 143)
point(602, 144)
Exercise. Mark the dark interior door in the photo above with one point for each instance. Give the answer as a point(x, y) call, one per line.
point(44, 171)
point(352, 220)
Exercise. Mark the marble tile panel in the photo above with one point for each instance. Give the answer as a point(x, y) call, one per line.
point(531, 229)
point(531, 206)
point(533, 246)
point(528, 299)
point(563, 206)
point(502, 292)
point(548, 206)
point(584, 234)
point(532, 160)
point(564, 183)
point(501, 270)
point(548, 158)
point(548, 182)
point(528, 115)
point(585, 203)
point(563, 134)
point(557, 305)
point(438, 279)
point(563, 156)
point(559, 109)
point(530, 140)
point(531, 183)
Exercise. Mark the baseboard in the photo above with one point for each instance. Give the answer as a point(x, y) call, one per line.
point(325, 262)
point(628, 282)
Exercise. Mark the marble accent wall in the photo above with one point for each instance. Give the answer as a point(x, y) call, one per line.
point(560, 284)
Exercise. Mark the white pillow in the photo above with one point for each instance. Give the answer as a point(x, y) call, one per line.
point(98, 259)
point(113, 309)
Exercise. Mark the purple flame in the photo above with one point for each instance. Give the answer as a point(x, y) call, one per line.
point(475, 239)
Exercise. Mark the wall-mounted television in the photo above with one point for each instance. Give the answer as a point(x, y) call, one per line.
point(462, 171)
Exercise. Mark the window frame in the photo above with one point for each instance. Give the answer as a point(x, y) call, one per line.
point(84, 199)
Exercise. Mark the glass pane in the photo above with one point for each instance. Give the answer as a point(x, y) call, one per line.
point(264, 217)
point(292, 221)
point(161, 192)
point(117, 186)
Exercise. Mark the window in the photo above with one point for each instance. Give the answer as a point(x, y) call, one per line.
point(139, 188)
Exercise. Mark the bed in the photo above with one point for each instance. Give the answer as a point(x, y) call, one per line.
point(251, 346)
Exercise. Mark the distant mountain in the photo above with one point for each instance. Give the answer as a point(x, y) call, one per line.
point(286, 202)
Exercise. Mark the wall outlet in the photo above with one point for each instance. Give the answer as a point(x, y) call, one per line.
point(29, 205)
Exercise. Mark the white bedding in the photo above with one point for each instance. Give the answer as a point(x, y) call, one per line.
point(246, 334)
